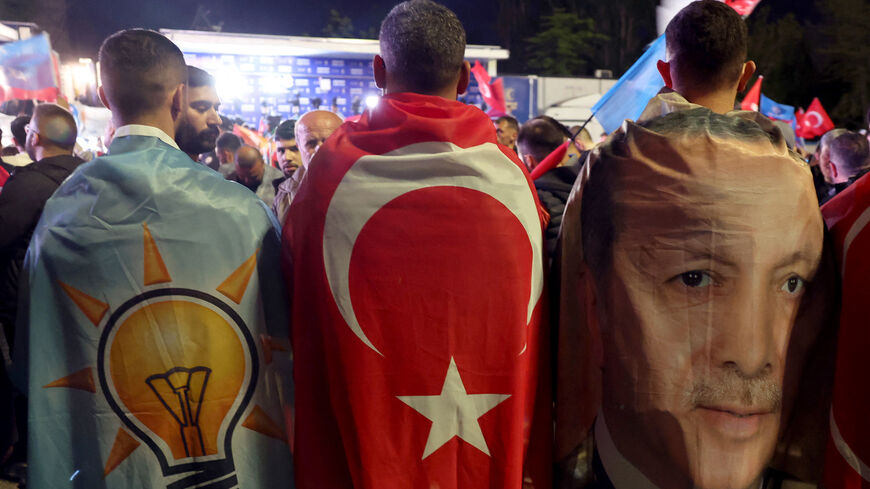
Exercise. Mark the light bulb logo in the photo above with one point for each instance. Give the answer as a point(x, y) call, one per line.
point(179, 368)
point(185, 413)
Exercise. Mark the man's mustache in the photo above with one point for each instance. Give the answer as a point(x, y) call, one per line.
point(761, 394)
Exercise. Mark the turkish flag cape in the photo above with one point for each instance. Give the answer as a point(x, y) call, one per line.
point(414, 254)
point(815, 122)
point(753, 96)
point(848, 457)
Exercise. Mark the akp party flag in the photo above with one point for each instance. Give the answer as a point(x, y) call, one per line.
point(815, 121)
point(491, 91)
point(775, 110)
point(28, 70)
point(415, 257)
point(628, 98)
point(753, 97)
point(154, 358)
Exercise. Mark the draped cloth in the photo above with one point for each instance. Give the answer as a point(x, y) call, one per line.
point(680, 190)
point(153, 336)
point(414, 253)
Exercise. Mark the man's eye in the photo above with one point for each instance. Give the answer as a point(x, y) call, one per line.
point(696, 279)
point(793, 285)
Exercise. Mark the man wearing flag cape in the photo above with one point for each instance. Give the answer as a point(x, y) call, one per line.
point(415, 256)
point(151, 357)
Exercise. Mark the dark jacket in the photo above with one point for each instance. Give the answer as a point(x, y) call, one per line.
point(21, 203)
point(831, 190)
point(553, 188)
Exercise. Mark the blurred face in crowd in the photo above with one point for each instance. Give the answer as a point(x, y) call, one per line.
point(697, 308)
point(200, 125)
point(312, 130)
point(289, 158)
point(506, 135)
point(249, 166)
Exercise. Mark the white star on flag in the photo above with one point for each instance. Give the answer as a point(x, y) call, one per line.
point(454, 412)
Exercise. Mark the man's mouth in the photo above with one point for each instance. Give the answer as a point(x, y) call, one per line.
point(735, 422)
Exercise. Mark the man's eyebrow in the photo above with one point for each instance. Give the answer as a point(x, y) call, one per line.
point(796, 257)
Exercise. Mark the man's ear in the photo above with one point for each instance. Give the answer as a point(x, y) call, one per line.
point(464, 78)
point(530, 161)
point(380, 70)
point(664, 68)
point(178, 99)
point(103, 98)
point(748, 71)
point(834, 172)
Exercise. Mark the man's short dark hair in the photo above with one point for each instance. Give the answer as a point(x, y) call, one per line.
point(228, 141)
point(57, 126)
point(286, 130)
point(599, 221)
point(138, 69)
point(539, 137)
point(707, 43)
point(850, 151)
point(423, 45)
point(17, 129)
point(511, 122)
point(197, 77)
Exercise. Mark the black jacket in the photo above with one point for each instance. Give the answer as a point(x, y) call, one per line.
point(21, 203)
point(553, 188)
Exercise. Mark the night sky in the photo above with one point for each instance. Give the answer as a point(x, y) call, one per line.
point(89, 21)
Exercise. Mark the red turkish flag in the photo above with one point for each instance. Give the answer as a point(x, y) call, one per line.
point(4, 175)
point(753, 96)
point(415, 258)
point(743, 7)
point(815, 121)
point(848, 456)
point(491, 91)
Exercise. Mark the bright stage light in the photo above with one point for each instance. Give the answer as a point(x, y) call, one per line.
point(372, 101)
point(231, 86)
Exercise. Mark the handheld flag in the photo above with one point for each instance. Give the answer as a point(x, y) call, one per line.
point(775, 110)
point(27, 70)
point(491, 91)
point(753, 96)
point(743, 7)
point(628, 98)
point(815, 121)
point(551, 161)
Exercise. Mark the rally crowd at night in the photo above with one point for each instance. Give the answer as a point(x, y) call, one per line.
point(425, 296)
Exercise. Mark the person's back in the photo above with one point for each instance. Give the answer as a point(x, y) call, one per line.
point(149, 351)
point(415, 258)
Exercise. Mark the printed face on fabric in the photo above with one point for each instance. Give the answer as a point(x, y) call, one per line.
point(715, 241)
point(200, 123)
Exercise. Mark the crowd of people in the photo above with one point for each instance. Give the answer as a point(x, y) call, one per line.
point(427, 297)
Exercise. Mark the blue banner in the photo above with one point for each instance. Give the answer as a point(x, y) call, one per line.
point(27, 70)
point(776, 110)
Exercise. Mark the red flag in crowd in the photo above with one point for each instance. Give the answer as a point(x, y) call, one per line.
point(743, 7)
point(753, 96)
point(551, 161)
point(848, 455)
point(248, 136)
point(414, 264)
point(814, 122)
point(491, 91)
point(4, 175)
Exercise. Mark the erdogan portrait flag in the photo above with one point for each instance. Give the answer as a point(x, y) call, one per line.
point(415, 259)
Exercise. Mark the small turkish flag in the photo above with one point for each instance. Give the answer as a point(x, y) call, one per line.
point(491, 91)
point(743, 7)
point(753, 96)
point(815, 121)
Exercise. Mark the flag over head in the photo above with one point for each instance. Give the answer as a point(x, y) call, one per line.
point(815, 121)
point(28, 70)
point(628, 97)
point(415, 257)
point(775, 110)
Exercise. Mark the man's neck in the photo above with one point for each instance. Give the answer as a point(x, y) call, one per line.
point(720, 102)
point(163, 122)
point(41, 155)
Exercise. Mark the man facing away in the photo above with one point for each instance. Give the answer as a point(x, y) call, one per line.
point(706, 49)
point(151, 357)
point(415, 254)
point(847, 159)
point(255, 174)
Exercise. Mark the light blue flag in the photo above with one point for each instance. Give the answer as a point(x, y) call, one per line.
point(776, 110)
point(628, 98)
point(154, 329)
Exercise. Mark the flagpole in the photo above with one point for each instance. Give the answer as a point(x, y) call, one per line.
point(574, 136)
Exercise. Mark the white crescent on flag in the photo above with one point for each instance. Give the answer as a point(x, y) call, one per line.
point(818, 117)
point(391, 175)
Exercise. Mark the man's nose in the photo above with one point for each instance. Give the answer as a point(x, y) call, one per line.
point(748, 339)
point(214, 118)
